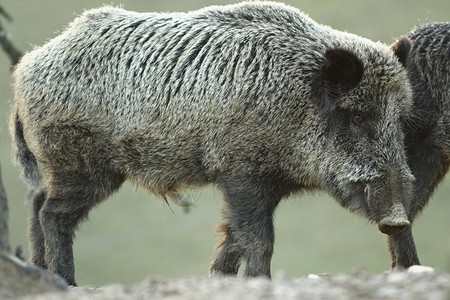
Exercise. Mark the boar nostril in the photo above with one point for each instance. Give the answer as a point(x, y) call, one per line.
point(391, 229)
point(395, 221)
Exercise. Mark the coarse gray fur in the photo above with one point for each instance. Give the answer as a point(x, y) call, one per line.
point(255, 97)
point(427, 130)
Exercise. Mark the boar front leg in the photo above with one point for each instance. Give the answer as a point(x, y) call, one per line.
point(248, 228)
point(402, 249)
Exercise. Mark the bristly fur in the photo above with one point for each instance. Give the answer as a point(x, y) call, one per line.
point(427, 127)
point(256, 98)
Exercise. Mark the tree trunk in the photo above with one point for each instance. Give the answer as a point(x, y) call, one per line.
point(4, 232)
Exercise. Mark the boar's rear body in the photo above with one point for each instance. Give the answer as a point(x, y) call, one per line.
point(427, 128)
point(255, 97)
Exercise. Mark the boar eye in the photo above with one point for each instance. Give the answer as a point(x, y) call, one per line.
point(358, 119)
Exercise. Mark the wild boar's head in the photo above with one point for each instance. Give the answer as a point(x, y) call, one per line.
point(364, 164)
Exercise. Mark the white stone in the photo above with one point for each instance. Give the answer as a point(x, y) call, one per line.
point(420, 269)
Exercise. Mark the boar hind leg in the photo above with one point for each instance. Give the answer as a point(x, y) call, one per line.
point(403, 250)
point(230, 258)
point(35, 234)
point(249, 233)
point(69, 200)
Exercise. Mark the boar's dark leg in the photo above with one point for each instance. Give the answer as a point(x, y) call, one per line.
point(428, 167)
point(70, 197)
point(35, 234)
point(249, 233)
point(403, 250)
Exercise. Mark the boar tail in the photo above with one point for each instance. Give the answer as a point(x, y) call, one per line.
point(23, 155)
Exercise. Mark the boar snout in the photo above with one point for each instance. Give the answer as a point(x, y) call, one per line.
point(395, 221)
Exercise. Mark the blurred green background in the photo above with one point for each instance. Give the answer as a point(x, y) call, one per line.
point(133, 235)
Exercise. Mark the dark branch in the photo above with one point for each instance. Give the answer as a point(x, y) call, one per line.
point(13, 53)
point(5, 14)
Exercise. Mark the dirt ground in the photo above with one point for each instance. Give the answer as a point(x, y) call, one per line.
point(416, 283)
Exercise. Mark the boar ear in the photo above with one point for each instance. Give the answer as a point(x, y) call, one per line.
point(401, 49)
point(341, 71)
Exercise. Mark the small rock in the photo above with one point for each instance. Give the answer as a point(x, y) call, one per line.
point(313, 276)
point(420, 269)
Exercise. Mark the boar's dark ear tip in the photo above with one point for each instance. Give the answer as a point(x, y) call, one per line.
point(401, 49)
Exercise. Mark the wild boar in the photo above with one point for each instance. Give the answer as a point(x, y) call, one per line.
point(256, 98)
point(427, 128)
